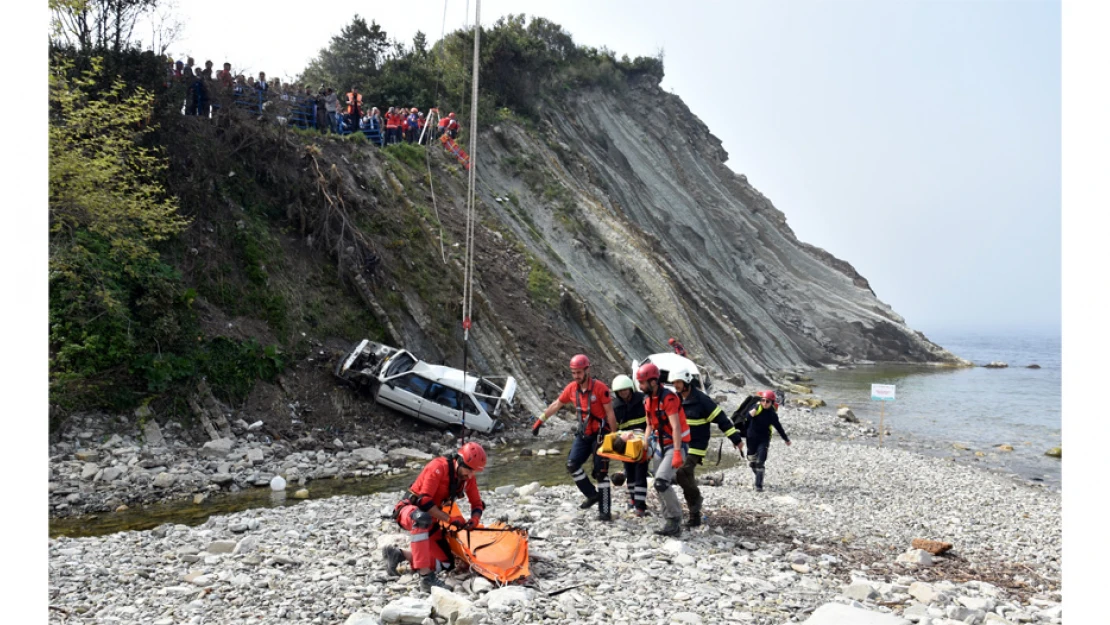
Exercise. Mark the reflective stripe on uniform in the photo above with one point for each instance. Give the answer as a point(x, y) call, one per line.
point(696, 452)
point(628, 425)
point(730, 431)
point(415, 538)
point(696, 422)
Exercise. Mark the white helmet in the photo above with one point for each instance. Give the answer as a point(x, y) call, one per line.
point(622, 382)
point(681, 373)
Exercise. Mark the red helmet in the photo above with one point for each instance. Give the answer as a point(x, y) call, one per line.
point(451, 115)
point(768, 395)
point(647, 371)
point(579, 361)
point(670, 341)
point(473, 456)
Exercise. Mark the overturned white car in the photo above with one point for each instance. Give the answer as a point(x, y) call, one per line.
point(436, 394)
point(669, 361)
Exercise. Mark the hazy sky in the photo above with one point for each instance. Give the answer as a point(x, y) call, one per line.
point(919, 141)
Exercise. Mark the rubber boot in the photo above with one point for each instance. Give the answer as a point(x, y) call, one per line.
point(429, 581)
point(604, 511)
point(590, 500)
point(393, 557)
point(759, 480)
point(695, 518)
point(671, 528)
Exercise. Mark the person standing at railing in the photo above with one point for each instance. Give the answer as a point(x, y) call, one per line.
point(392, 125)
point(331, 108)
point(414, 125)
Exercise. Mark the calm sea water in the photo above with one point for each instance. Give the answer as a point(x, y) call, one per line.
point(976, 407)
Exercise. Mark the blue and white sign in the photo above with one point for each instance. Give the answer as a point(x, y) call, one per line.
point(882, 392)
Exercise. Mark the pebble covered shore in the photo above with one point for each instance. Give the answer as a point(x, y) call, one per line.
point(834, 526)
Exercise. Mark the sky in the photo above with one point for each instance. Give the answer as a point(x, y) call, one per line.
point(919, 141)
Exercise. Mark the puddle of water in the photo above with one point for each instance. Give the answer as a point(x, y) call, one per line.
point(507, 467)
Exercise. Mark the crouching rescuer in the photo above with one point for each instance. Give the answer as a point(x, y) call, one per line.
point(669, 438)
point(422, 513)
point(594, 407)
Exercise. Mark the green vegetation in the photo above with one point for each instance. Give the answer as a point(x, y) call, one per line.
point(407, 153)
point(542, 287)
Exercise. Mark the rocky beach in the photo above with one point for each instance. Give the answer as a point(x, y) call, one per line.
point(836, 526)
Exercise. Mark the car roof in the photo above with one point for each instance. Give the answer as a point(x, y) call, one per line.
point(671, 361)
point(447, 376)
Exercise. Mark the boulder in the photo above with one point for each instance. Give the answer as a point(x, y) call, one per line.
point(362, 618)
point(916, 556)
point(996, 364)
point(408, 453)
point(255, 456)
point(221, 479)
point(111, 473)
point(152, 434)
point(1033, 366)
point(840, 614)
point(1005, 447)
point(406, 610)
point(503, 599)
point(934, 547)
point(87, 455)
point(164, 480)
point(89, 470)
point(458, 610)
point(1055, 452)
point(301, 494)
point(221, 546)
point(218, 448)
point(372, 455)
point(529, 489)
point(922, 592)
point(505, 490)
point(846, 414)
point(860, 591)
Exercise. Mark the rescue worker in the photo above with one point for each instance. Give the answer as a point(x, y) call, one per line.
point(452, 126)
point(669, 437)
point(701, 412)
point(594, 407)
point(628, 407)
point(678, 348)
point(763, 418)
point(422, 513)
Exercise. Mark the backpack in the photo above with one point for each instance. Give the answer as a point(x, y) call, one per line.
point(741, 417)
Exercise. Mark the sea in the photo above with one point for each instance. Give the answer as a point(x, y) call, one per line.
point(966, 414)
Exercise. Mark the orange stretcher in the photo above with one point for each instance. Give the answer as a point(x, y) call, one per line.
point(634, 451)
point(498, 552)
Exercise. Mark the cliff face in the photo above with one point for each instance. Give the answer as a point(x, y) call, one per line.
point(627, 199)
point(604, 228)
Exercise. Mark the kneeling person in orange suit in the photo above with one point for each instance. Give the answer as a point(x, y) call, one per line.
point(442, 481)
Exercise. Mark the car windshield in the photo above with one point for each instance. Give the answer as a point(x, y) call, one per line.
point(399, 364)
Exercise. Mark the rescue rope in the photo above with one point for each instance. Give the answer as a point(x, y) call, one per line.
point(468, 272)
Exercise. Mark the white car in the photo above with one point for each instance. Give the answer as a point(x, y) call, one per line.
point(670, 361)
point(439, 395)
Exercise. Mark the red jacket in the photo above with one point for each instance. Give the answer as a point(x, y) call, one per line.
point(657, 408)
point(392, 120)
point(589, 403)
point(433, 487)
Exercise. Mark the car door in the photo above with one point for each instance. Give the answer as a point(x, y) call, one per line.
point(404, 393)
point(442, 404)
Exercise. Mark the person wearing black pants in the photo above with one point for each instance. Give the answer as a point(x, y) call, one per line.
point(763, 418)
point(628, 406)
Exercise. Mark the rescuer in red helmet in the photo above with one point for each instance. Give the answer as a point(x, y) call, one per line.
point(763, 418)
point(678, 348)
point(595, 418)
point(422, 512)
point(666, 420)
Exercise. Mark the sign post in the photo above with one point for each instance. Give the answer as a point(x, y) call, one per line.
point(882, 393)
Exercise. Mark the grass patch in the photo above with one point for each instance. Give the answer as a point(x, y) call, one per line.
point(542, 287)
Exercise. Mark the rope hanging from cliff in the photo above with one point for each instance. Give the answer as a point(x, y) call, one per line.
point(468, 271)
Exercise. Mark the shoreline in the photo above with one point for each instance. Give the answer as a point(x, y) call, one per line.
point(831, 526)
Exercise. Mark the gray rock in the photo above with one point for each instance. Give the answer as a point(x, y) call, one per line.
point(111, 473)
point(89, 470)
point(846, 414)
point(164, 480)
point(221, 546)
point(505, 490)
point(369, 454)
point(922, 592)
point(222, 479)
point(840, 614)
point(406, 610)
point(916, 556)
point(218, 448)
point(408, 453)
point(152, 434)
point(984, 604)
point(453, 607)
point(255, 456)
point(87, 455)
point(686, 618)
point(860, 592)
point(529, 489)
point(362, 618)
point(504, 599)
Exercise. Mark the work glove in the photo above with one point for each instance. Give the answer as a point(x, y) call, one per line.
point(676, 459)
point(458, 523)
point(472, 523)
point(537, 425)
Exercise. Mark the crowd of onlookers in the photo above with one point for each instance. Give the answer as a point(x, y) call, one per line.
point(323, 110)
